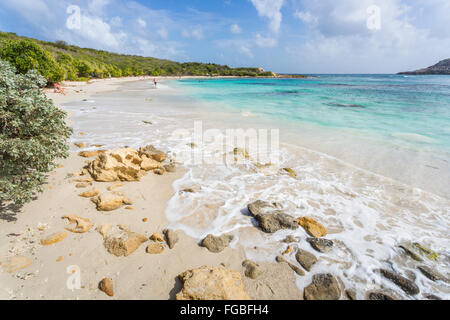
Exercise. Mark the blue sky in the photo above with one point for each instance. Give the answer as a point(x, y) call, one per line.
point(296, 36)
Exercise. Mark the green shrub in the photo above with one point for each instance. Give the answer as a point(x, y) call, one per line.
point(33, 133)
point(26, 55)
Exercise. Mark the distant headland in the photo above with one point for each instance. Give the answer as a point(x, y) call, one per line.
point(442, 67)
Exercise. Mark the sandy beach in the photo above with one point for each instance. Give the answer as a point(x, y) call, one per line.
point(46, 270)
point(324, 228)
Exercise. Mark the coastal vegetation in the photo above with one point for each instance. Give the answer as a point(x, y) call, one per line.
point(57, 61)
point(33, 132)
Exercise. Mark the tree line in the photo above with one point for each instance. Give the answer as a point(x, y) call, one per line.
point(57, 61)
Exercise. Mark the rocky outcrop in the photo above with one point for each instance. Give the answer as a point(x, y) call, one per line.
point(211, 283)
point(252, 270)
point(323, 287)
point(82, 225)
point(404, 283)
point(118, 165)
point(124, 243)
point(153, 153)
point(54, 238)
point(106, 285)
point(216, 244)
point(442, 67)
point(110, 202)
point(148, 164)
point(312, 227)
point(320, 244)
point(306, 259)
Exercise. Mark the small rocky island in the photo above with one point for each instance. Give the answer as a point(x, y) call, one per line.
point(442, 67)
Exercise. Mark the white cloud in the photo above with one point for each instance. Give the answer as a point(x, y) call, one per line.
point(338, 39)
point(305, 16)
point(163, 33)
point(95, 30)
point(246, 50)
point(265, 42)
point(141, 23)
point(270, 9)
point(235, 29)
point(116, 22)
point(96, 7)
point(193, 33)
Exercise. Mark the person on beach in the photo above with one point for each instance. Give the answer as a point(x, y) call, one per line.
point(155, 82)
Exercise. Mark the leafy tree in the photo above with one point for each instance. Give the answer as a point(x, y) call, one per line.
point(26, 55)
point(33, 133)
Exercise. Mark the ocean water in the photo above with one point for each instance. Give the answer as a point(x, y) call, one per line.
point(370, 152)
point(387, 119)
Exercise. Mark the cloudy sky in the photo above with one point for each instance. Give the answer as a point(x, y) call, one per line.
point(296, 36)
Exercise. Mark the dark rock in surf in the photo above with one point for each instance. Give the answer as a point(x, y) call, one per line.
point(270, 219)
point(351, 294)
point(405, 284)
point(380, 296)
point(260, 207)
point(278, 220)
point(431, 274)
point(320, 244)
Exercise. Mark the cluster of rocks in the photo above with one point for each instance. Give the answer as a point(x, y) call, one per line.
point(272, 218)
point(119, 165)
point(128, 164)
point(125, 164)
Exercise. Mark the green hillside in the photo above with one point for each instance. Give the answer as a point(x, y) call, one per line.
point(69, 62)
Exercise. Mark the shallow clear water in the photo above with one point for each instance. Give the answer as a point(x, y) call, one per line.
point(386, 105)
point(377, 122)
point(368, 215)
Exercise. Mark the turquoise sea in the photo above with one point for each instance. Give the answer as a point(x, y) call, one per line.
point(395, 125)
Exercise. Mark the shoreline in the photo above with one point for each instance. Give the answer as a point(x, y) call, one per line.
point(154, 276)
point(138, 276)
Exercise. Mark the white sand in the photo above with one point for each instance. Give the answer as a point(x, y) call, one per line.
point(138, 276)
